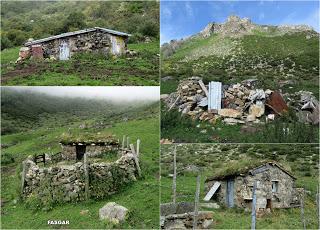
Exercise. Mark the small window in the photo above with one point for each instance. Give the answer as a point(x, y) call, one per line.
point(275, 186)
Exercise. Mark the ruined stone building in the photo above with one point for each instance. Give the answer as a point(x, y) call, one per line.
point(275, 187)
point(63, 46)
point(73, 149)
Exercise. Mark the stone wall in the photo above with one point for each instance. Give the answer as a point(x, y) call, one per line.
point(91, 41)
point(69, 152)
point(63, 183)
point(180, 216)
point(286, 196)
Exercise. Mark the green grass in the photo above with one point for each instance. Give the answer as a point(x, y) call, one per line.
point(141, 197)
point(212, 158)
point(86, 69)
point(181, 128)
point(9, 55)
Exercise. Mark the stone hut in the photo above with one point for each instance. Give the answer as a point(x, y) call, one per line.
point(275, 187)
point(63, 46)
point(74, 147)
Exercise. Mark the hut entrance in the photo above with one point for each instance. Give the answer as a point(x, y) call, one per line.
point(269, 204)
point(80, 150)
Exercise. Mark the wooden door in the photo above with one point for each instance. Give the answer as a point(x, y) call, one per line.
point(230, 192)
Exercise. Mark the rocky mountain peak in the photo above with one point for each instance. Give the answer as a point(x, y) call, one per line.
point(237, 27)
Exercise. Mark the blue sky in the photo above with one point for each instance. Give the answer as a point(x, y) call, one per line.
point(184, 18)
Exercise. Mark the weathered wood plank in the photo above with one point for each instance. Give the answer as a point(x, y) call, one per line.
point(23, 175)
point(138, 147)
point(86, 175)
point(212, 191)
point(254, 201)
point(203, 87)
point(172, 105)
point(174, 180)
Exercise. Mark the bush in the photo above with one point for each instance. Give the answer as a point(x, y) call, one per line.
point(7, 158)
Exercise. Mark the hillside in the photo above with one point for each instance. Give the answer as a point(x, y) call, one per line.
point(24, 20)
point(34, 123)
point(301, 160)
point(21, 21)
point(23, 110)
point(278, 56)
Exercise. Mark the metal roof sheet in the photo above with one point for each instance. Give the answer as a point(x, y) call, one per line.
point(76, 33)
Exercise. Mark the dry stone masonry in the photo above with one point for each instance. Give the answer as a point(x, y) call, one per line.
point(77, 180)
point(63, 46)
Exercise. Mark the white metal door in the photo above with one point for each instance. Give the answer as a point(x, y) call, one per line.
point(64, 51)
point(214, 100)
point(115, 46)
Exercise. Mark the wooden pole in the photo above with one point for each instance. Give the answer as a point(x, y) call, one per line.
point(318, 206)
point(128, 142)
point(123, 141)
point(136, 161)
point(132, 149)
point(138, 147)
point(86, 175)
point(173, 104)
point(23, 174)
point(196, 203)
point(302, 210)
point(174, 182)
point(254, 201)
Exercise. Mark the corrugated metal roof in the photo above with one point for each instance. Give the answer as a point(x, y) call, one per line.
point(76, 33)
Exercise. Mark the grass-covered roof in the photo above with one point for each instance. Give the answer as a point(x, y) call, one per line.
point(242, 167)
point(88, 138)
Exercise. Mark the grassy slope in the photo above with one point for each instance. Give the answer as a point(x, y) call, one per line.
point(86, 69)
point(141, 197)
point(303, 162)
point(192, 59)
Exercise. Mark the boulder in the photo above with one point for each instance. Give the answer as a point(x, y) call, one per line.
point(229, 113)
point(113, 212)
point(257, 109)
point(232, 121)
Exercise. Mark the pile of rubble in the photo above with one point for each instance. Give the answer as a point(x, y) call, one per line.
point(239, 103)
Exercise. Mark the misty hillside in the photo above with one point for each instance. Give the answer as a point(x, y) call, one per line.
point(279, 56)
point(23, 110)
point(39, 19)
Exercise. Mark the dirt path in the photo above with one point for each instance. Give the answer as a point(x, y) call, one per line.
point(23, 72)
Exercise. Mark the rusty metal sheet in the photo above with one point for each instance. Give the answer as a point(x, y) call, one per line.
point(277, 103)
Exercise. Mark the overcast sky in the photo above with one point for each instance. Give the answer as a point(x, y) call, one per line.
point(180, 19)
point(114, 93)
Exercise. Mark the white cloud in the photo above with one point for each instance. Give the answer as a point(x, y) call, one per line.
point(189, 9)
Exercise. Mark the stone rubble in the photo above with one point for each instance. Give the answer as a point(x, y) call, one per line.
point(241, 103)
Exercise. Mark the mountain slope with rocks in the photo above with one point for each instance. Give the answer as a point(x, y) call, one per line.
point(283, 56)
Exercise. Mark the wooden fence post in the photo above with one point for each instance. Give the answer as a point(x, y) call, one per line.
point(302, 210)
point(196, 203)
point(174, 182)
point(138, 147)
point(128, 142)
point(318, 205)
point(132, 149)
point(254, 201)
point(86, 175)
point(23, 174)
point(123, 141)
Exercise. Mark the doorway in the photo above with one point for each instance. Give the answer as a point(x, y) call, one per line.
point(269, 204)
point(80, 151)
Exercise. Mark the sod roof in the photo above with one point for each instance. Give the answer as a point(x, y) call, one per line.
point(88, 139)
point(243, 168)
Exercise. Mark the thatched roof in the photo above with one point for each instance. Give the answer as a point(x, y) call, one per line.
point(243, 168)
point(88, 139)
